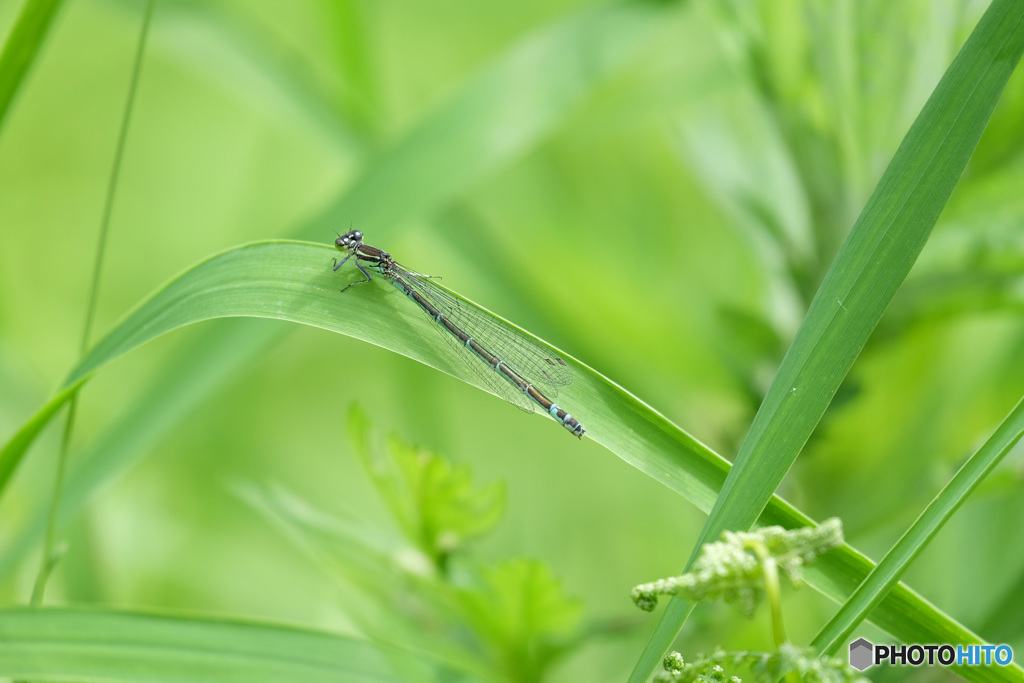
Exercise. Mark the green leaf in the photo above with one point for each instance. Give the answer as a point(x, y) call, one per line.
point(71, 644)
point(870, 266)
point(785, 664)
point(22, 47)
point(589, 49)
point(294, 281)
point(520, 609)
point(18, 445)
point(434, 502)
point(395, 593)
point(888, 572)
point(732, 569)
point(117, 448)
point(512, 618)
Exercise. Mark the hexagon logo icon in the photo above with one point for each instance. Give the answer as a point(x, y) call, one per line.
point(861, 654)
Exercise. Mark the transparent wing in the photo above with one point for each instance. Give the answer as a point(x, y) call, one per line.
point(528, 358)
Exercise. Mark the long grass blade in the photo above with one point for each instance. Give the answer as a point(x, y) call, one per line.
point(90, 645)
point(870, 267)
point(293, 281)
point(889, 570)
point(591, 48)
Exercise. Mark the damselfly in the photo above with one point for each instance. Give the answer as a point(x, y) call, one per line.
point(521, 369)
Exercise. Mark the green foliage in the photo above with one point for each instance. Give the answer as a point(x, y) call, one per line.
point(509, 621)
point(101, 644)
point(433, 501)
point(743, 567)
point(292, 287)
point(524, 616)
point(705, 669)
point(868, 269)
point(763, 667)
point(733, 569)
point(660, 188)
point(932, 519)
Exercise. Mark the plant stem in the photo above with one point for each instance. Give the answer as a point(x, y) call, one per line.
point(771, 588)
point(773, 592)
point(49, 558)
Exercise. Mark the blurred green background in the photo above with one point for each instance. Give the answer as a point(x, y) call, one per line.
point(659, 194)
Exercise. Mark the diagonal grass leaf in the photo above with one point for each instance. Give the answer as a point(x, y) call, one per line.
point(590, 47)
point(889, 570)
point(22, 47)
point(293, 281)
point(870, 267)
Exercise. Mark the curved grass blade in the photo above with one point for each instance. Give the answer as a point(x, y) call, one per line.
point(19, 443)
point(71, 644)
point(293, 281)
point(97, 466)
point(590, 48)
point(871, 265)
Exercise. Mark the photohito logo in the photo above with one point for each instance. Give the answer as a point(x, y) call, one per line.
point(863, 653)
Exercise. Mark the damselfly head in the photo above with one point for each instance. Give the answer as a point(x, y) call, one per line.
point(350, 240)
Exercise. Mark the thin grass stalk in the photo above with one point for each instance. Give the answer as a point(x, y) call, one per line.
point(49, 559)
